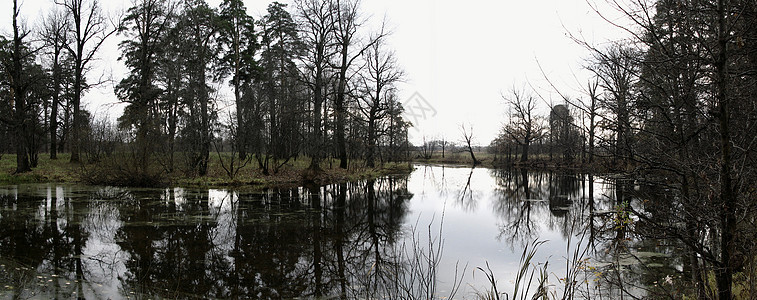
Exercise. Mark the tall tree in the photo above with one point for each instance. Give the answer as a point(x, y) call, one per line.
point(54, 36)
point(347, 24)
point(88, 31)
point(695, 116)
point(239, 41)
point(317, 19)
point(171, 76)
point(199, 38)
point(590, 109)
point(728, 205)
point(144, 26)
point(15, 58)
point(617, 70)
point(378, 88)
point(281, 45)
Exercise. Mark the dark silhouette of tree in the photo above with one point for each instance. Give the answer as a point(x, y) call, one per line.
point(55, 38)
point(238, 40)
point(347, 23)
point(468, 140)
point(280, 47)
point(145, 27)
point(590, 109)
point(378, 90)
point(197, 27)
point(524, 126)
point(677, 92)
point(17, 57)
point(616, 68)
point(87, 32)
point(316, 19)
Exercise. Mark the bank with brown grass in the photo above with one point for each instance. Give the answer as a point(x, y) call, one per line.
point(116, 171)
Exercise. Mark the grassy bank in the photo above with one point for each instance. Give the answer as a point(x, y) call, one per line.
point(48, 170)
point(291, 173)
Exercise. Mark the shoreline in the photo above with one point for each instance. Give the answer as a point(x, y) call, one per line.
point(250, 177)
point(291, 174)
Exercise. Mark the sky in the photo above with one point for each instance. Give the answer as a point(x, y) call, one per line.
point(459, 57)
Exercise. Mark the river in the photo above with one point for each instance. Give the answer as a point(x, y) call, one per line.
point(437, 232)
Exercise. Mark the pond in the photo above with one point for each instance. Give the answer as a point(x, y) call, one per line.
point(436, 232)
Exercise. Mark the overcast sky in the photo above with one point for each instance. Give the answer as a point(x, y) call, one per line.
point(458, 56)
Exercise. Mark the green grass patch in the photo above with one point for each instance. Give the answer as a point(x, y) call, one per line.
point(47, 170)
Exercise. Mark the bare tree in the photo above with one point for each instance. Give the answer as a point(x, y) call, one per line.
point(591, 109)
point(616, 68)
point(347, 24)
point(317, 20)
point(427, 148)
point(54, 35)
point(382, 72)
point(728, 205)
point(88, 31)
point(233, 163)
point(468, 139)
point(524, 126)
point(693, 60)
point(443, 143)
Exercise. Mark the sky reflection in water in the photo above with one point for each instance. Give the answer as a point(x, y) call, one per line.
point(343, 239)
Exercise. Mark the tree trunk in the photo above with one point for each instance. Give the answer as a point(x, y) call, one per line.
point(54, 106)
point(341, 111)
point(724, 273)
point(18, 95)
point(241, 137)
point(205, 120)
point(317, 150)
point(524, 152)
point(76, 128)
point(370, 156)
point(473, 156)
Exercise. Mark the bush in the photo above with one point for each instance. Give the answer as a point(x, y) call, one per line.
point(122, 169)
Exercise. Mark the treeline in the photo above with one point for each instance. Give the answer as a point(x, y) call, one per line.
point(672, 105)
point(307, 80)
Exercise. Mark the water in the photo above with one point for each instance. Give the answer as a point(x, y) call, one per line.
point(354, 240)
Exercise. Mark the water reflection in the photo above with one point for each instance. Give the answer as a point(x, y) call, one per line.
point(528, 203)
point(282, 243)
point(345, 240)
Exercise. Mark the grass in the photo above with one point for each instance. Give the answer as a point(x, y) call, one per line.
point(291, 173)
point(47, 170)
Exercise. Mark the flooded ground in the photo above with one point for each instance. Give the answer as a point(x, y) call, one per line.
point(420, 235)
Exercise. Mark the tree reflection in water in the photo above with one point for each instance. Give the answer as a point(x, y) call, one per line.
point(283, 243)
point(346, 240)
point(590, 210)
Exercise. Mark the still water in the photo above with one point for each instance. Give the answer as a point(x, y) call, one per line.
point(437, 231)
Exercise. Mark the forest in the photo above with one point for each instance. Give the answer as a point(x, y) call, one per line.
point(307, 80)
point(672, 105)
